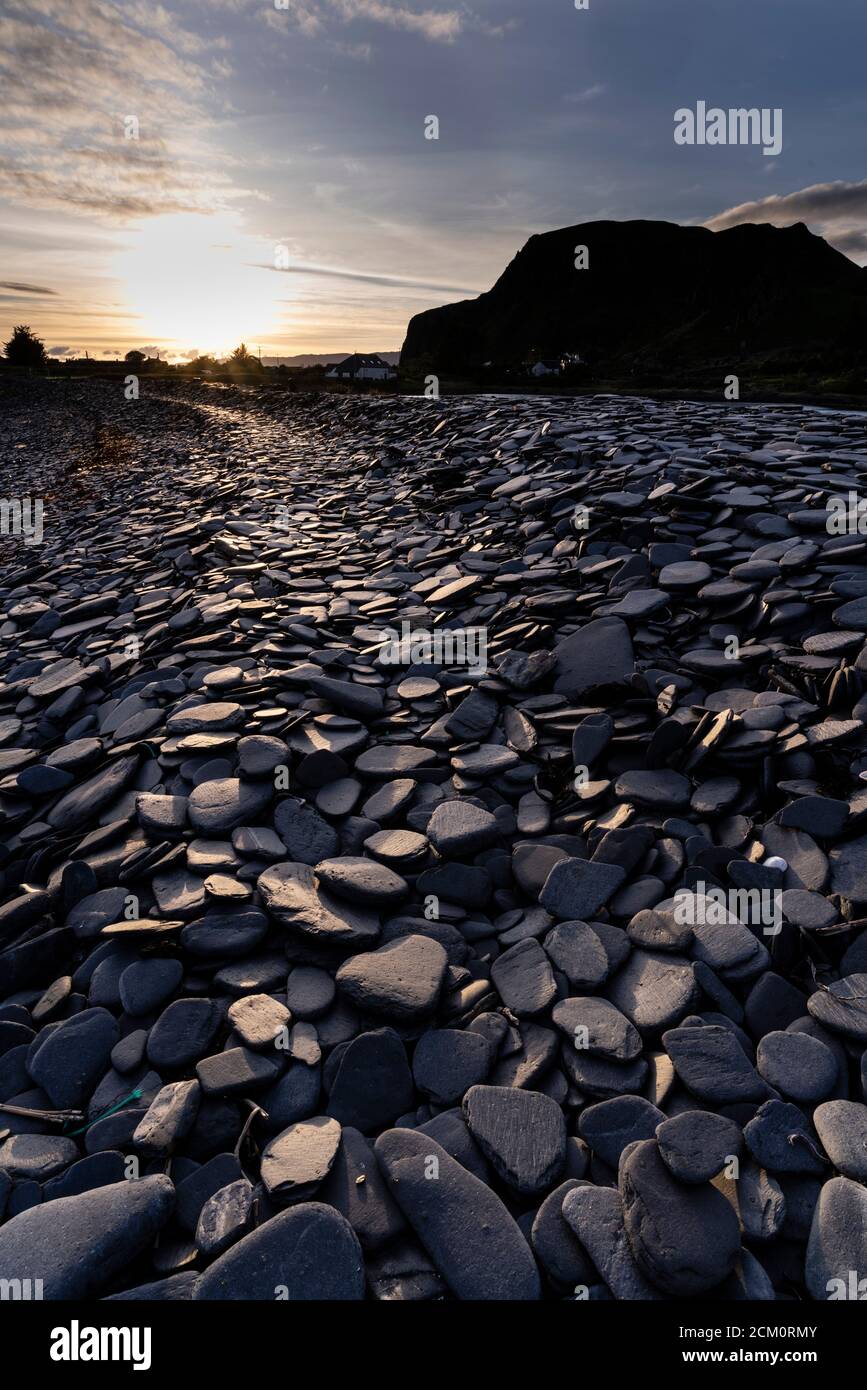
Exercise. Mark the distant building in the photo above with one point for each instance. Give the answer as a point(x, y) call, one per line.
point(553, 366)
point(362, 367)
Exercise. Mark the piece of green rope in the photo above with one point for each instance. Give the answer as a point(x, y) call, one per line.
point(134, 1095)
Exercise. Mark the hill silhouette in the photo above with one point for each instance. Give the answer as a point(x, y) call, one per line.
point(658, 296)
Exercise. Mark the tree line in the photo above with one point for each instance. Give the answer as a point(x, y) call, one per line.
point(25, 349)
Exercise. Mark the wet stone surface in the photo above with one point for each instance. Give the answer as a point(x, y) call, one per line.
point(434, 848)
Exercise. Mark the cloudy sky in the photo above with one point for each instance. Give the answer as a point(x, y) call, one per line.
point(189, 173)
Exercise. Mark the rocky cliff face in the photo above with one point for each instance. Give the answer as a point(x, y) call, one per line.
point(655, 295)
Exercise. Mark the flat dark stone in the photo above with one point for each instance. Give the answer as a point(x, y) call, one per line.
point(146, 984)
point(799, 1066)
point(221, 936)
point(838, 1241)
point(576, 950)
point(467, 884)
point(654, 992)
point(96, 1170)
point(401, 980)
point(450, 1130)
point(660, 789)
point(469, 1235)
point(524, 979)
point(216, 807)
point(236, 1071)
point(196, 1189)
point(75, 1245)
point(597, 657)
point(293, 1096)
point(307, 1254)
point(183, 1033)
point(69, 1062)
point(457, 829)
point(597, 1027)
point(388, 762)
point(712, 1064)
point(842, 1128)
point(599, 1078)
point(612, 1124)
point(818, 815)
point(169, 1118)
point(697, 1144)
point(685, 1240)
point(779, 1138)
point(363, 881)
point(36, 1157)
point(447, 1062)
point(595, 1214)
point(373, 1085)
point(356, 1188)
point(291, 895)
point(521, 1133)
point(555, 1244)
point(84, 802)
point(348, 696)
point(842, 1007)
point(308, 837)
point(576, 888)
point(225, 1218)
point(296, 1162)
point(259, 1020)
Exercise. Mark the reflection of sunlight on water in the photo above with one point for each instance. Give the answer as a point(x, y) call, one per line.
point(198, 281)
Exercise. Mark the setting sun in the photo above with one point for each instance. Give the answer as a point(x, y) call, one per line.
point(198, 281)
point(433, 680)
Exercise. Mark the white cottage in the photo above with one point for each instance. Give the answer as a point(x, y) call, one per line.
point(362, 367)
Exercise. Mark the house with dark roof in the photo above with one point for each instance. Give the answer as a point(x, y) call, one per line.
point(362, 367)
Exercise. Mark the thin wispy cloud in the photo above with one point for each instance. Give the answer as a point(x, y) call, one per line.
point(317, 17)
point(24, 289)
point(442, 26)
point(587, 94)
point(369, 278)
point(837, 211)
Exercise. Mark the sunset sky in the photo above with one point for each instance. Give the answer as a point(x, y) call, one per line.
point(303, 127)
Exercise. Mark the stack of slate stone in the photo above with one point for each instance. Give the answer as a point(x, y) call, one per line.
point(326, 978)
